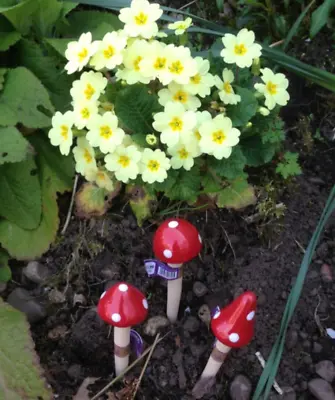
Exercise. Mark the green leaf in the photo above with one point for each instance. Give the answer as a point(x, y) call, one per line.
point(241, 113)
point(20, 194)
point(59, 45)
point(231, 167)
point(3, 72)
point(273, 132)
point(186, 186)
point(256, 152)
point(210, 184)
point(237, 195)
point(5, 271)
point(67, 7)
point(289, 166)
point(20, 14)
point(23, 99)
point(320, 16)
point(97, 22)
point(135, 106)
point(46, 69)
point(20, 372)
point(8, 39)
point(13, 146)
point(47, 14)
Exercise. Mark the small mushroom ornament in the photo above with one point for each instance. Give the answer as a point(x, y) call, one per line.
point(122, 306)
point(176, 242)
point(233, 327)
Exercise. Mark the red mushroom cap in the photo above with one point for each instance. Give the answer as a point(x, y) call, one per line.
point(176, 241)
point(234, 324)
point(123, 305)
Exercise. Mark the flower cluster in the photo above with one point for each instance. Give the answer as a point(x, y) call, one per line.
point(184, 129)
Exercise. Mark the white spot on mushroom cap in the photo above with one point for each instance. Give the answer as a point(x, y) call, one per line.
point(167, 253)
point(123, 287)
point(234, 337)
point(251, 315)
point(116, 317)
point(102, 295)
point(199, 237)
point(145, 303)
point(173, 224)
point(217, 314)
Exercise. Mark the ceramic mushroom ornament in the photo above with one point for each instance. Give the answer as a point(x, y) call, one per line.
point(176, 242)
point(122, 306)
point(233, 326)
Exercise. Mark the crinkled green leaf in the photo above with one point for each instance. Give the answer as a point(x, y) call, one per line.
point(5, 271)
point(97, 22)
point(20, 372)
point(20, 194)
point(46, 15)
point(20, 14)
point(242, 112)
point(13, 146)
point(256, 152)
point(273, 132)
point(231, 167)
point(210, 184)
point(237, 195)
point(46, 68)
point(186, 186)
point(289, 166)
point(135, 106)
point(8, 39)
point(24, 99)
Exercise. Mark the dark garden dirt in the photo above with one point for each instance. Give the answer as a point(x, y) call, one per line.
point(263, 256)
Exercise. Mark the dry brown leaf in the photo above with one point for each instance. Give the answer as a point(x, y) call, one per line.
point(83, 392)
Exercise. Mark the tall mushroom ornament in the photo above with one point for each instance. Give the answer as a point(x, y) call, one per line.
point(176, 242)
point(233, 327)
point(122, 306)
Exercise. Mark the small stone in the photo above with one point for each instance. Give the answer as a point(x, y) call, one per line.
point(284, 295)
point(204, 313)
point(240, 388)
point(317, 347)
point(154, 324)
point(314, 292)
point(159, 353)
point(22, 300)
point(322, 250)
point(321, 389)
point(199, 289)
point(3, 287)
point(325, 369)
point(58, 332)
point(200, 274)
point(307, 360)
point(326, 273)
point(74, 371)
point(79, 299)
point(36, 272)
point(303, 386)
point(306, 344)
point(292, 339)
point(191, 324)
point(56, 297)
point(303, 335)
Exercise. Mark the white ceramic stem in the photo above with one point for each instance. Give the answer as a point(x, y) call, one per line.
point(121, 339)
point(174, 289)
point(213, 366)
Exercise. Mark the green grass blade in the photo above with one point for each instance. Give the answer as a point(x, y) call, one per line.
point(294, 30)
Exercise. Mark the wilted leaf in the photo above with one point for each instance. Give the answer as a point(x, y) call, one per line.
point(141, 202)
point(83, 392)
point(237, 195)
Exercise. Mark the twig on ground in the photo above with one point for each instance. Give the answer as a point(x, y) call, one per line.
point(275, 383)
point(317, 318)
point(68, 217)
point(111, 383)
point(188, 4)
point(300, 246)
point(145, 365)
point(275, 44)
point(229, 242)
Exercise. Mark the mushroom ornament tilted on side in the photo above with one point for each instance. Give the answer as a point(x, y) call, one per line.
point(176, 242)
point(233, 327)
point(122, 306)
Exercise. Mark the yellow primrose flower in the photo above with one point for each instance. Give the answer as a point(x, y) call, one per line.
point(85, 157)
point(226, 92)
point(180, 26)
point(183, 155)
point(174, 123)
point(109, 52)
point(151, 139)
point(180, 65)
point(154, 64)
point(124, 162)
point(89, 87)
point(79, 53)
point(101, 179)
point(218, 137)
point(273, 88)
point(83, 112)
point(61, 132)
point(201, 117)
point(177, 94)
point(140, 18)
point(103, 132)
point(241, 49)
point(132, 57)
point(201, 82)
point(154, 166)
